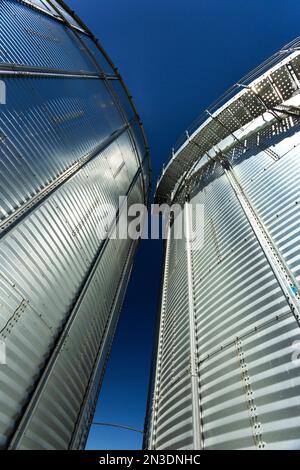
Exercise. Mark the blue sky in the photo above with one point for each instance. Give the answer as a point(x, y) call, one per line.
point(176, 57)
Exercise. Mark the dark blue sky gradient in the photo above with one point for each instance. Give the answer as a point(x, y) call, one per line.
point(176, 57)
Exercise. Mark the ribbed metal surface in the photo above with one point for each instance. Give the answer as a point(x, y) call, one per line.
point(61, 400)
point(41, 123)
point(241, 311)
point(172, 426)
point(273, 189)
point(23, 31)
point(67, 149)
point(245, 288)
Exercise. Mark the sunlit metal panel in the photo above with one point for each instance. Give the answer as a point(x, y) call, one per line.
point(68, 151)
point(244, 279)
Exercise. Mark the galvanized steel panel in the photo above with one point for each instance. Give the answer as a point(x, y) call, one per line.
point(245, 279)
point(173, 416)
point(23, 30)
point(66, 152)
point(43, 120)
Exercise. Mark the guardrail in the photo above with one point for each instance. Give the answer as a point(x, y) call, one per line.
point(233, 90)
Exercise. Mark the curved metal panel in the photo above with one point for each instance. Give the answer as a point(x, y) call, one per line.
point(244, 280)
point(24, 30)
point(67, 153)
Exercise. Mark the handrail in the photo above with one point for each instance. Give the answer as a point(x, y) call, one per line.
point(277, 57)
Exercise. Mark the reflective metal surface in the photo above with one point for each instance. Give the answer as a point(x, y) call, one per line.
point(70, 142)
point(242, 285)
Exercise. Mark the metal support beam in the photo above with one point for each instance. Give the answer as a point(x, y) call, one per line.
point(283, 275)
point(293, 111)
point(22, 70)
point(197, 440)
point(104, 350)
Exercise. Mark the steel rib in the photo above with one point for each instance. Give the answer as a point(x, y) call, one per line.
point(23, 210)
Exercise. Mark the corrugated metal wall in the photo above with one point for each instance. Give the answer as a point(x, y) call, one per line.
point(69, 145)
point(245, 316)
point(173, 424)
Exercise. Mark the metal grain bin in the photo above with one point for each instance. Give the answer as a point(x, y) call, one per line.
point(227, 372)
point(70, 142)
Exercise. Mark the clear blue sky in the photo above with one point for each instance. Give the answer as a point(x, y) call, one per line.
point(176, 57)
